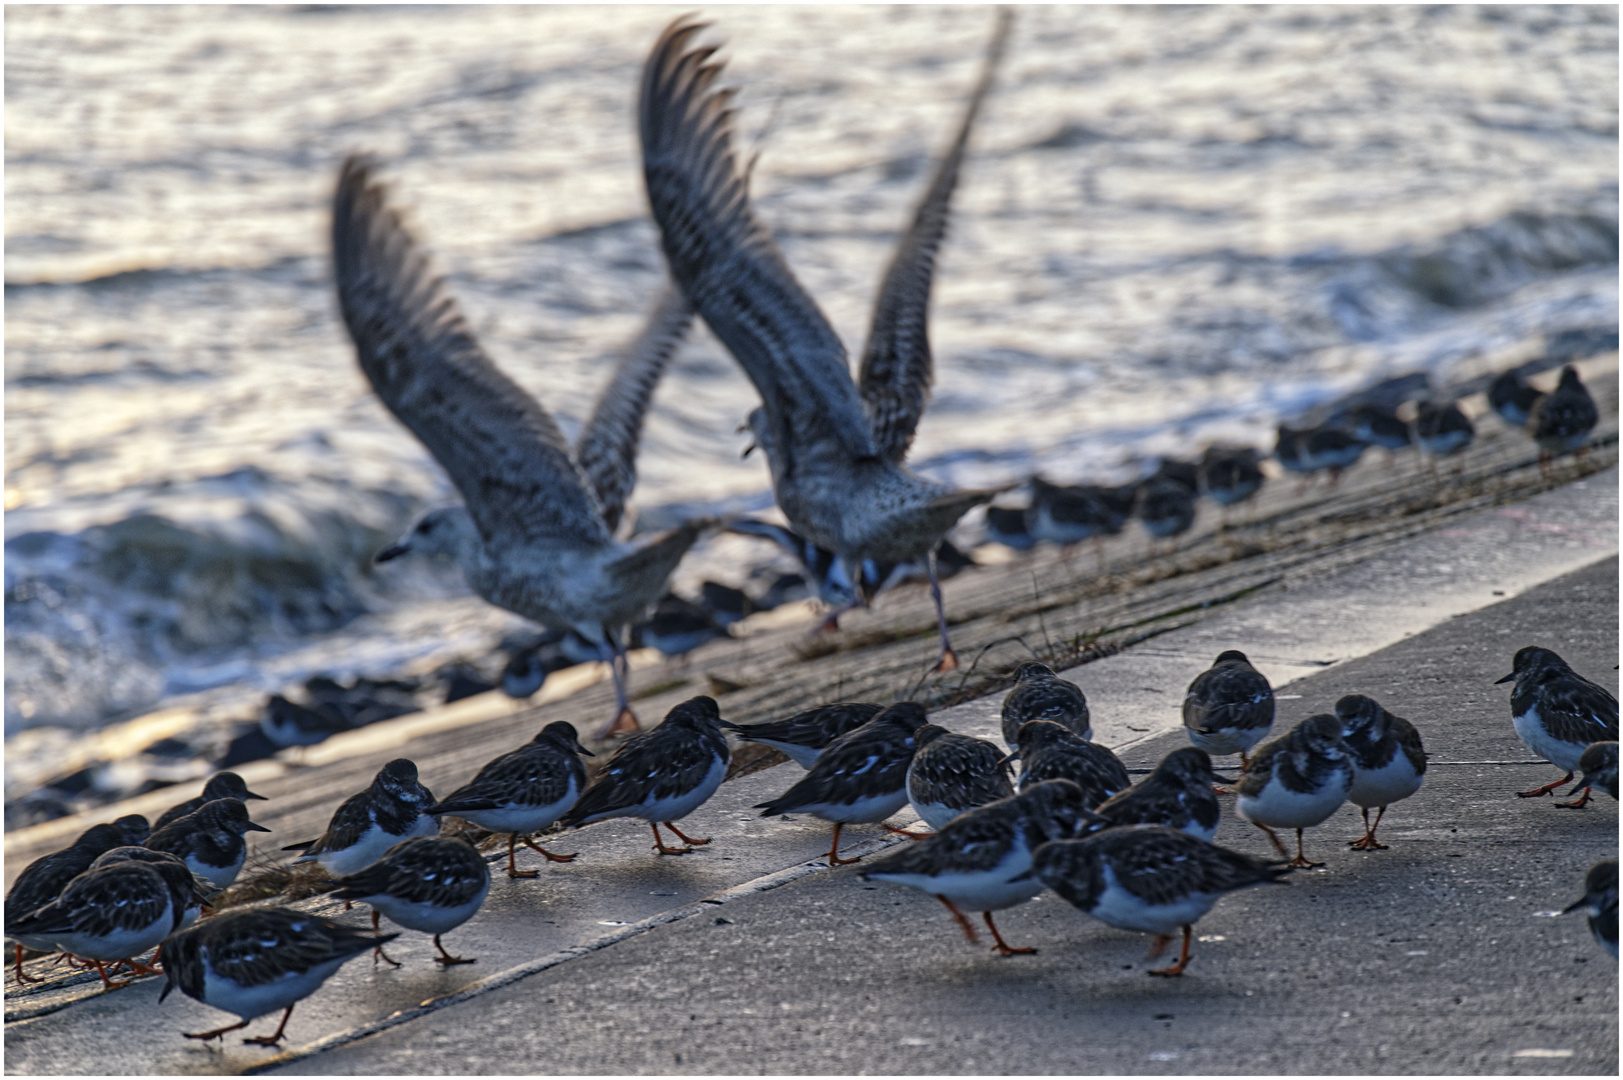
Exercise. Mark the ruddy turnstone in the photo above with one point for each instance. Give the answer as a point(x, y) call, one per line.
point(1039, 694)
point(367, 824)
point(952, 773)
point(1598, 769)
point(225, 785)
point(726, 604)
point(835, 447)
point(861, 778)
point(1442, 429)
point(524, 791)
point(1513, 398)
point(1381, 427)
point(661, 776)
point(1599, 901)
point(806, 735)
point(1230, 475)
point(1557, 712)
point(679, 626)
point(1050, 751)
point(116, 912)
point(1327, 448)
point(288, 724)
point(535, 532)
point(192, 904)
point(980, 860)
point(432, 884)
point(524, 673)
point(1006, 525)
point(1562, 419)
point(255, 961)
point(1229, 707)
point(1388, 759)
point(1149, 878)
point(209, 839)
point(43, 880)
point(1296, 781)
point(1069, 514)
point(1166, 507)
point(1177, 794)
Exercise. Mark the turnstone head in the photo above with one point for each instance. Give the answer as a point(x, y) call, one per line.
point(1230, 475)
point(1442, 428)
point(1229, 707)
point(524, 791)
point(979, 861)
point(1178, 794)
point(1513, 398)
point(661, 776)
point(953, 773)
point(1006, 525)
point(1388, 759)
point(1557, 712)
point(1166, 507)
point(255, 961)
point(225, 785)
point(806, 735)
point(1381, 427)
point(43, 880)
point(1039, 694)
point(1562, 419)
point(860, 778)
point(1599, 901)
point(1598, 764)
point(209, 839)
point(1050, 751)
point(433, 884)
point(1296, 781)
point(394, 808)
point(1148, 878)
point(133, 828)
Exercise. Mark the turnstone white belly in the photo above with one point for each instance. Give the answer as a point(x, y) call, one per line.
point(806, 735)
point(1050, 751)
point(1296, 781)
point(1039, 694)
point(1557, 712)
point(953, 773)
point(1229, 707)
point(1178, 794)
point(1600, 902)
point(432, 884)
point(225, 785)
point(210, 840)
point(392, 809)
point(1389, 762)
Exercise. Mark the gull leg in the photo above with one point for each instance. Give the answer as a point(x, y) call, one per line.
point(949, 658)
point(533, 846)
point(1546, 789)
point(1183, 957)
point(512, 862)
point(1301, 860)
point(963, 924)
point(1002, 946)
point(447, 959)
point(269, 1040)
point(619, 671)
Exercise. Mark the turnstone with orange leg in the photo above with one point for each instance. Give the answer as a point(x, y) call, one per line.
point(524, 791)
point(806, 735)
point(1177, 794)
point(1557, 712)
point(432, 884)
point(661, 776)
point(43, 880)
point(1599, 901)
point(952, 773)
point(210, 840)
point(1050, 751)
point(1229, 707)
point(1296, 781)
point(1598, 769)
point(255, 961)
point(225, 785)
point(1389, 761)
point(1039, 694)
point(981, 860)
point(860, 779)
point(369, 823)
point(1562, 420)
point(1149, 878)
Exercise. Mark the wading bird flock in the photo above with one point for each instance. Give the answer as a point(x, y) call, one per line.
point(540, 533)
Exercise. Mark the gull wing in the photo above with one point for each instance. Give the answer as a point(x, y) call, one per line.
point(897, 370)
point(607, 450)
point(498, 445)
point(726, 261)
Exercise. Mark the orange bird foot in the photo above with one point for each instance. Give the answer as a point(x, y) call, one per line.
point(1576, 804)
point(659, 843)
point(1002, 947)
point(1219, 789)
point(685, 839)
point(963, 924)
point(447, 959)
point(1302, 862)
point(1546, 789)
point(904, 832)
point(217, 1033)
point(513, 872)
point(948, 662)
point(533, 846)
point(1183, 955)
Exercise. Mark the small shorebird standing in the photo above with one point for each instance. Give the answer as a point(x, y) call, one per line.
point(43, 880)
point(210, 840)
point(1599, 902)
point(1178, 794)
point(1229, 707)
point(835, 448)
point(432, 884)
point(1443, 430)
point(225, 785)
point(1296, 781)
point(804, 736)
point(1050, 751)
point(1598, 767)
point(952, 773)
point(394, 807)
point(1560, 421)
point(1389, 762)
point(1557, 712)
point(1039, 694)
point(1513, 398)
point(535, 532)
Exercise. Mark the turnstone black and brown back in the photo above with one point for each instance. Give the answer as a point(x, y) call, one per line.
point(1557, 712)
point(1389, 761)
point(1561, 420)
point(1296, 781)
point(661, 776)
point(1598, 769)
point(1177, 794)
point(805, 735)
point(1381, 427)
point(524, 791)
point(952, 773)
point(432, 884)
point(1166, 506)
point(1050, 751)
point(210, 840)
point(367, 824)
point(1039, 694)
point(1229, 707)
point(1006, 525)
point(225, 785)
point(1599, 901)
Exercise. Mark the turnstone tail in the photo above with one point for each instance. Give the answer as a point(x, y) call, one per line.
point(524, 791)
point(535, 534)
point(1039, 694)
point(1513, 398)
point(392, 809)
point(1178, 794)
point(209, 839)
point(1599, 901)
point(255, 961)
point(43, 880)
point(835, 447)
point(1557, 712)
point(1296, 781)
point(860, 779)
point(1006, 525)
point(1562, 419)
point(1229, 708)
point(1598, 766)
point(1149, 878)
point(980, 860)
point(432, 884)
point(953, 773)
point(806, 735)
point(225, 785)
point(1230, 475)
point(1050, 751)
point(661, 776)
point(1388, 760)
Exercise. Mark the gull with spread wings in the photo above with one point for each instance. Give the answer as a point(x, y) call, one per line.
point(535, 532)
point(835, 447)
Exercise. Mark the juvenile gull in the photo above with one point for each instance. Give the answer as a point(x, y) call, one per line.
point(535, 533)
point(835, 447)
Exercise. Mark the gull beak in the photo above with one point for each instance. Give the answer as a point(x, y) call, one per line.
point(393, 551)
point(1506, 679)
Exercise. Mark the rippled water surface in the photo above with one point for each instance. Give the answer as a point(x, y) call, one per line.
point(1176, 225)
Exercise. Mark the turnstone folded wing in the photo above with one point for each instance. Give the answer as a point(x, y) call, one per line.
point(1557, 712)
point(1598, 766)
point(191, 903)
point(288, 724)
point(1149, 878)
point(1600, 902)
point(805, 735)
point(432, 884)
point(1389, 761)
point(1296, 781)
point(225, 785)
point(1381, 427)
point(1561, 420)
point(1051, 751)
point(679, 626)
point(394, 808)
point(661, 776)
point(860, 779)
point(1039, 694)
point(43, 880)
point(255, 961)
point(524, 791)
point(952, 773)
point(1229, 708)
point(209, 839)
point(1177, 794)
